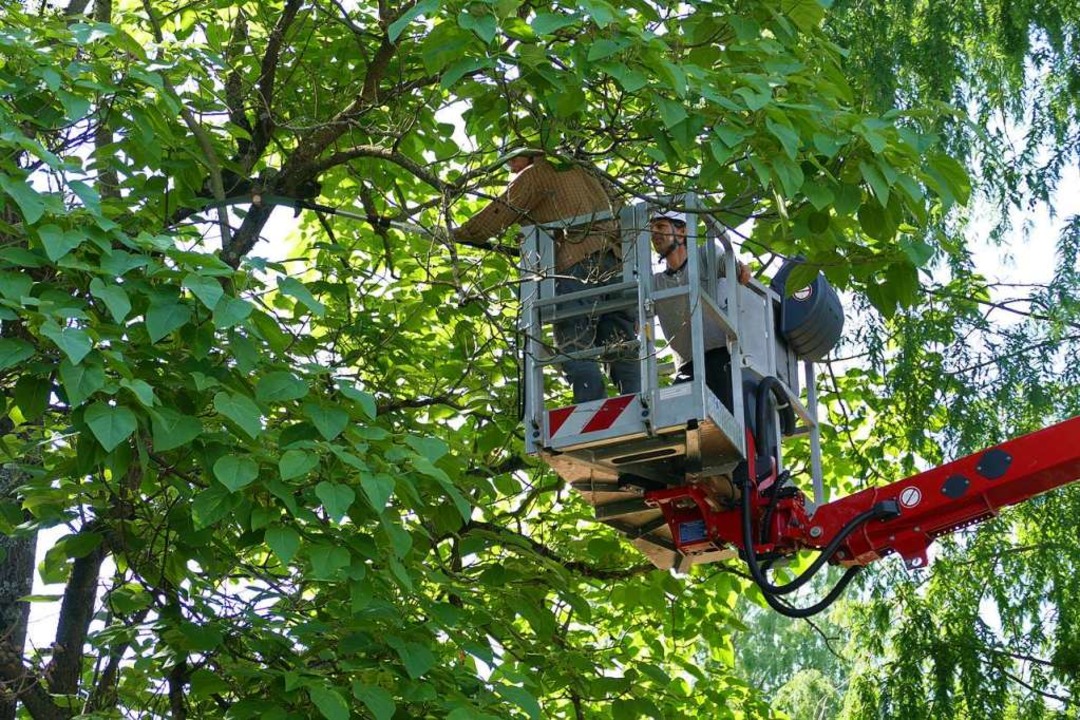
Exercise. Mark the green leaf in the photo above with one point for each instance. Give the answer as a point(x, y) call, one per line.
point(280, 386)
point(801, 276)
point(602, 48)
point(32, 395)
point(789, 173)
point(675, 76)
point(165, 317)
point(110, 424)
point(15, 286)
point(873, 221)
point(294, 463)
point(430, 447)
point(80, 381)
point(202, 638)
point(28, 199)
point(365, 400)
point(90, 198)
point(13, 352)
point(484, 25)
point(236, 472)
point(328, 560)
point(141, 390)
point(917, 251)
point(231, 312)
point(818, 193)
point(241, 410)
point(417, 658)
point(211, 505)
point(377, 700)
point(329, 421)
point(335, 498)
point(74, 342)
point(807, 14)
point(398, 26)
point(294, 288)
point(81, 544)
point(172, 429)
point(546, 23)
point(671, 112)
point(330, 702)
point(114, 297)
point(952, 179)
point(460, 69)
point(400, 539)
point(378, 489)
point(207, 289)
point(58, 242)
point(876, 182)
point(522, 698)
point(631, 79)
point(284, 541)
point(788, 138)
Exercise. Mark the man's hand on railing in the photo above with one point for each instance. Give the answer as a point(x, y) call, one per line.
point(742, 272)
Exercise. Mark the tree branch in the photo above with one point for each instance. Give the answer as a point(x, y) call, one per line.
point(213, 164)
point(26, 686)
point(178, 678)
point(575, 566)
point(264, 125)
point(76, 612)
point(375, 151)
point(76, 7)
point(1004, 307)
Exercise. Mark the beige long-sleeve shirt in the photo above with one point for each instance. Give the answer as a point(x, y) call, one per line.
point(542, 193)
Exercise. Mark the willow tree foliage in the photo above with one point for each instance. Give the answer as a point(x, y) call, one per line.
point(990, 630)
point(288, 475)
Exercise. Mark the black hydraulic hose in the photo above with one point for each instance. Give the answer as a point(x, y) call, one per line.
point(761, 417)
point(773, 502)
point(787, 414)
point(770, 591)
point(796, 612)
point(808, 574)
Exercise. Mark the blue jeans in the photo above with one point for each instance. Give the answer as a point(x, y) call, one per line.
point(586, 331)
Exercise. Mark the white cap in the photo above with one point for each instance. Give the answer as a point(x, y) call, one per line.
point(672, 215)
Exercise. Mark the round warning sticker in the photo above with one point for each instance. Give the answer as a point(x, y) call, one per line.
point(804, 294)
point(910, 497)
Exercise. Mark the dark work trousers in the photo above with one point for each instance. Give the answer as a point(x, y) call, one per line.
point(717, 374)
point(587, 331)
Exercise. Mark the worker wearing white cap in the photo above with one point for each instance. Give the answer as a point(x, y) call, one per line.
point(668, 228)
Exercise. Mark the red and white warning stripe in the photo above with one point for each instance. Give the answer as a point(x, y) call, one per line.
point(579, 419)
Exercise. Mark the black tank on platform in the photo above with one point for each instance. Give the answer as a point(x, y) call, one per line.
point(811, 319)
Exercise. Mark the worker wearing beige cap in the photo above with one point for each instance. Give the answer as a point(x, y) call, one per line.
point(541, 193)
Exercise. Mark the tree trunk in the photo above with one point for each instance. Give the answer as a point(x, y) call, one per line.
point(16, 581)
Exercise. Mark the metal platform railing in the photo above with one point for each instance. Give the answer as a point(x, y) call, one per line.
point(671, 433)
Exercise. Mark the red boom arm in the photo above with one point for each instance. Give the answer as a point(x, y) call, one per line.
point(911, 513)
point(956, 495)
